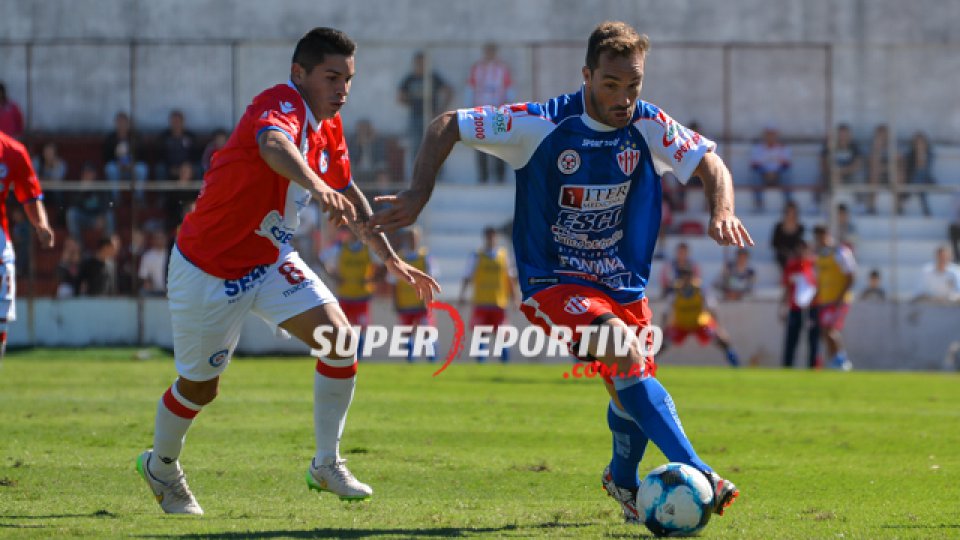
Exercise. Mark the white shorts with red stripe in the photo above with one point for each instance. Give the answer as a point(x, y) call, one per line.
point(8, 282)
point(208, 312)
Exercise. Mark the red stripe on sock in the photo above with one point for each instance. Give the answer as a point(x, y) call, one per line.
point(336, 372)
point(177, 408)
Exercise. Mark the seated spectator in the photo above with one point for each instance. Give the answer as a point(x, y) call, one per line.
point(48, 165)
point(941, 279)
point(879, 164)
point(177, 146)
point(368, 152)
point(787, 234)
point(737, 278)
point(953, 230)
point(770, 160)
point(11, 118)
point(219, 141)
point(68, 270)
point(917, 169)
point(840, 161)
point(671, 270)
point(98, 274)
point(844, 230)
point(120, 151)
point(153, 265)
point(90, 208)
point(874, 290)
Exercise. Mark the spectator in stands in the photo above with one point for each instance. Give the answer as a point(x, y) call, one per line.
point(770, 160)
point(90, 208)
point(175, 201)
point(177, 146)
point(368, 152)
point(11, 118)
point(874, 290)
point(490, 83)
point(121, 148)
point(413, 94)
point(50, 167)
point(68, 270)
point(98, 274)
point(844, 230)
point(218, 141)
point(953, 229)
point(671, 270)
point(153, 265)
point(918, 169)
point(840, 161)
point(787, 234)
point(799, 289)
point(737, 278)
point(941, 279)
point(879, 164)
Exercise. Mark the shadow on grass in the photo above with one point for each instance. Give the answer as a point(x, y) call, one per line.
point(440, 532)
point(922, 526)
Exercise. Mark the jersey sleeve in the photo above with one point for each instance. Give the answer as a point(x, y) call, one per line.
point(673, 147)
point(26, 185)
point(511, 132)
point(845, 259)
point(280, 110)
point(337, 174)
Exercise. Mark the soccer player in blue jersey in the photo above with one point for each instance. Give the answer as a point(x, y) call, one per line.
point(588, 168)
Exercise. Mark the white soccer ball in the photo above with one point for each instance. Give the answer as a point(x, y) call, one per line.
point(675, 500)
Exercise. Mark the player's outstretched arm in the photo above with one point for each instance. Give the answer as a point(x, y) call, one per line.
point(284, 158)
point(725, 228)
point(442, 134)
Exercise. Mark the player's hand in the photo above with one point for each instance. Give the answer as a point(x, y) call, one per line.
point(727, 230)
point(425, 285)
point(338, 208)
point(45, 236)
point(404, 209)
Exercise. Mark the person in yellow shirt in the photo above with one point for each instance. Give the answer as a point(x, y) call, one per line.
point(494, 287)
point(354, 271)
point(835, 267)
point(411, 310)
point(691, 312)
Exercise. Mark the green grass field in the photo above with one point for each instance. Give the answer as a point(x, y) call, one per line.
point(480, 451)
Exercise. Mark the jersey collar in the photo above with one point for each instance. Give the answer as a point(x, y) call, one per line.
point(588, 121)
point(311, 119)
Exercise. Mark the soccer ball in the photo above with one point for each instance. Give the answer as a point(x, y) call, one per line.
point(675, 500)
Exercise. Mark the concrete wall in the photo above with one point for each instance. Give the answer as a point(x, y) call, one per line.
point(878, 335)
point(74, 63)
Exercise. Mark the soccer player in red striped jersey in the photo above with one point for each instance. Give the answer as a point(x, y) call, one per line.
point(16, 171)
point(233, 256)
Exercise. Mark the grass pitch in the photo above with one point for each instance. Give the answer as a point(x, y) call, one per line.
point(477, 452)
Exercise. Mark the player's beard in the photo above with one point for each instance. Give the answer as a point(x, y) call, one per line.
point(606, 114)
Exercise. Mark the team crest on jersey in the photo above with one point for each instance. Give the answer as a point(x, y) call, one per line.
point(218, 358)
point(568, 162)
point(324, 161)
point(3, 171)
point(628, 158)
point(576, 305)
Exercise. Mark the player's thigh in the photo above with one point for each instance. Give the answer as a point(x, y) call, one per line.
point(206, 319)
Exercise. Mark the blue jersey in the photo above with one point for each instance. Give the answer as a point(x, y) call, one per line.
point(588, 195)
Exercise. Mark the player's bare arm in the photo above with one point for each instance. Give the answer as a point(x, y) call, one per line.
point(37, 214)
point(284, 158)
point(725, 228)
point(442, 134)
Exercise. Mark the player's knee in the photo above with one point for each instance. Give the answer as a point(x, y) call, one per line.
point(336, 343)
point(199, 392)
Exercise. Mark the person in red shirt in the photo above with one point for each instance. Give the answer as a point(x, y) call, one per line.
point(799, 289)
point(16, 171)
point(233, 256)
point(11, 119)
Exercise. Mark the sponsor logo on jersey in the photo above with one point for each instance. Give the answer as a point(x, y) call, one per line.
point(599, 266)
point(479, 130)
point(4, 171)
point(686, 146)
point(324, 162)
point(593, 197)
point(543, 280)
point(233, 287)
point(575, 221)
point(568, 162)
point(502, 121)
point(272, 228)
point(594, 143)
point(218, 358)
point(576, 305)
point(628, 158)
point(286, 107)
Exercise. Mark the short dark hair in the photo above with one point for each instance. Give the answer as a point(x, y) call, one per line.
point(617, 38)
point(875, 273)
point(319, 42)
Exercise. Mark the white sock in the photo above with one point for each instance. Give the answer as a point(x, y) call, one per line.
point(333, 385)
point(174, 416)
